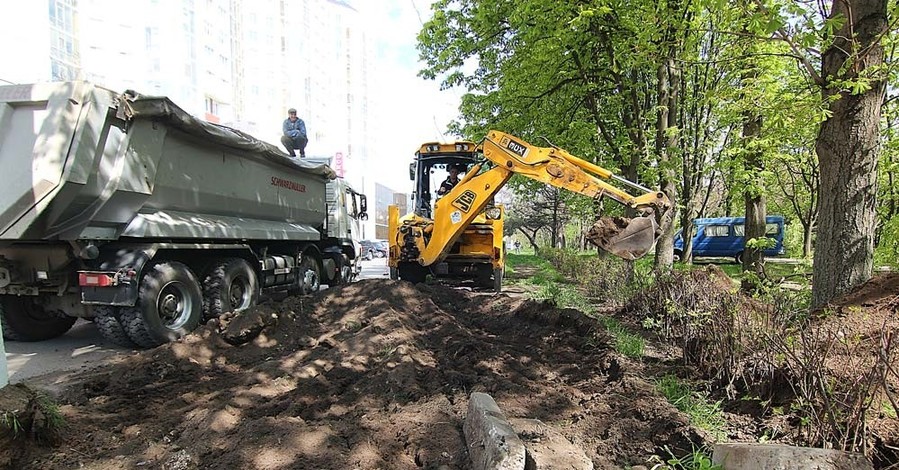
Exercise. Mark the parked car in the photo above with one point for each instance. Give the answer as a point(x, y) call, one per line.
point(723, 236)
point(374, 249)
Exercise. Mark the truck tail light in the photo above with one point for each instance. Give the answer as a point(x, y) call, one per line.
point(93, 279)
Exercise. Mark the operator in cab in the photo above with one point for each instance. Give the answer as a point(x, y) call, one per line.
point(450, 182)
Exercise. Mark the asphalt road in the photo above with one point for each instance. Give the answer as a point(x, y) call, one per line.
point(83, 347)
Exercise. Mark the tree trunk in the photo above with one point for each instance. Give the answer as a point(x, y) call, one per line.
point(753, 197)
point(848, 145)
point(687, 235)
point(666, 142)
point(806, 240)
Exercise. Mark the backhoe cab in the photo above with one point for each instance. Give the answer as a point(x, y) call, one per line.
point(460, 234)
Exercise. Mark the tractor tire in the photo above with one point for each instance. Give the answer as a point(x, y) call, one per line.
point(498, 274)
point(412, 272)
point(170, 305)
point(230, 286)
point(23, 320)
point(108, 321)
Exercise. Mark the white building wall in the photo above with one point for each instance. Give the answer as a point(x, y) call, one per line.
point(238, 62)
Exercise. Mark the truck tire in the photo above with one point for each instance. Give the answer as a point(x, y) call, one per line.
point(230, 286)
point(678, 256)
point(108, 321)
point(24, 320)
point(346, 274)
point(169, 306)
point(310, 278)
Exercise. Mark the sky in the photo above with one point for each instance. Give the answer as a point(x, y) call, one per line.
point(415, 110)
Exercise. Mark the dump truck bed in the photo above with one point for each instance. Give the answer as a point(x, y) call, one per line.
point(83, 162)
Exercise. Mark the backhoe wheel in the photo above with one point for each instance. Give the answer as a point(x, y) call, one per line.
point(394, 274)
point(170, 305)
point(24, 320)
point(310, 274)
point(498, 274)
point(412, 272)
point(230, 286)
point(483, 276)
point(108, 321)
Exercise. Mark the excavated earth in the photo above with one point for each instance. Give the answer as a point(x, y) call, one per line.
point(374, 375)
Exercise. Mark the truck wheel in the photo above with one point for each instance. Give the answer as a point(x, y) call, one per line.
point(678, 256)
point(230, 286)
point(108, 321)
point(170, 305)
point(309, 280)
point(739, 258)
point(24, 320)
point(498, 274)
point(346, 274)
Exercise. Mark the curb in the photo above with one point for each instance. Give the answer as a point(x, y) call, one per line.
point(745, 456)
point(491, 441)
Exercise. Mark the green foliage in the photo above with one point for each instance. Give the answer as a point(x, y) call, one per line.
point(542, 271)
point(703, 413)
point(887, 250)
point(626, 343)
point(10, 420)
point(793, 240)
point(697, 460)
point(602, 276)
point(564, 296)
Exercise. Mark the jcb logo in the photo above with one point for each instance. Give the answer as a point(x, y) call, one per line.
point(465, 200)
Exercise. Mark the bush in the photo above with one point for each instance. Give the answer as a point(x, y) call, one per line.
point(887, 251)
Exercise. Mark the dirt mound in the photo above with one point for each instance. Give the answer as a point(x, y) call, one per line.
point(882, 290)
point(376, 374)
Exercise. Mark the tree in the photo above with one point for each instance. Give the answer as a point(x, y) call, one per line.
point(848, 145)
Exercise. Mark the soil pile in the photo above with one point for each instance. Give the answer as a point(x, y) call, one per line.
point(376, 374)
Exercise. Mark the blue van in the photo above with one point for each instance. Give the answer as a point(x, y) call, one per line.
point(723, 236)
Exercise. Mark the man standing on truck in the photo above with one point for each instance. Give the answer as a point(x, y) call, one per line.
point(294, 134)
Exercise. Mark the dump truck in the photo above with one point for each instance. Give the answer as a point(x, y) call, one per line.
point(127, 210)
point(460, 235)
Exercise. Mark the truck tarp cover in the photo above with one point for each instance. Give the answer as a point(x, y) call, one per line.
point(160, 108)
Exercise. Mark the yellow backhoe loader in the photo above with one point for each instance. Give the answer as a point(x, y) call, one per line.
point(462, 234)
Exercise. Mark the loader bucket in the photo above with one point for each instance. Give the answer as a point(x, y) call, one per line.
point(624, 237)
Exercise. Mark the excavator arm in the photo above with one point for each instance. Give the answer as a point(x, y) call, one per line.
point(511, 155)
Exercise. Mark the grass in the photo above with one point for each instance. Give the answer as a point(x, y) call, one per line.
point(543, 271)
point(626, 343)
point(10, 421)
point(703, 413)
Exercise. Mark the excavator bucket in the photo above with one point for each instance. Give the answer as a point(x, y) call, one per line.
point(624, 237)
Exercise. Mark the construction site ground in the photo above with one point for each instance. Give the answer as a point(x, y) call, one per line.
point(373, 375)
